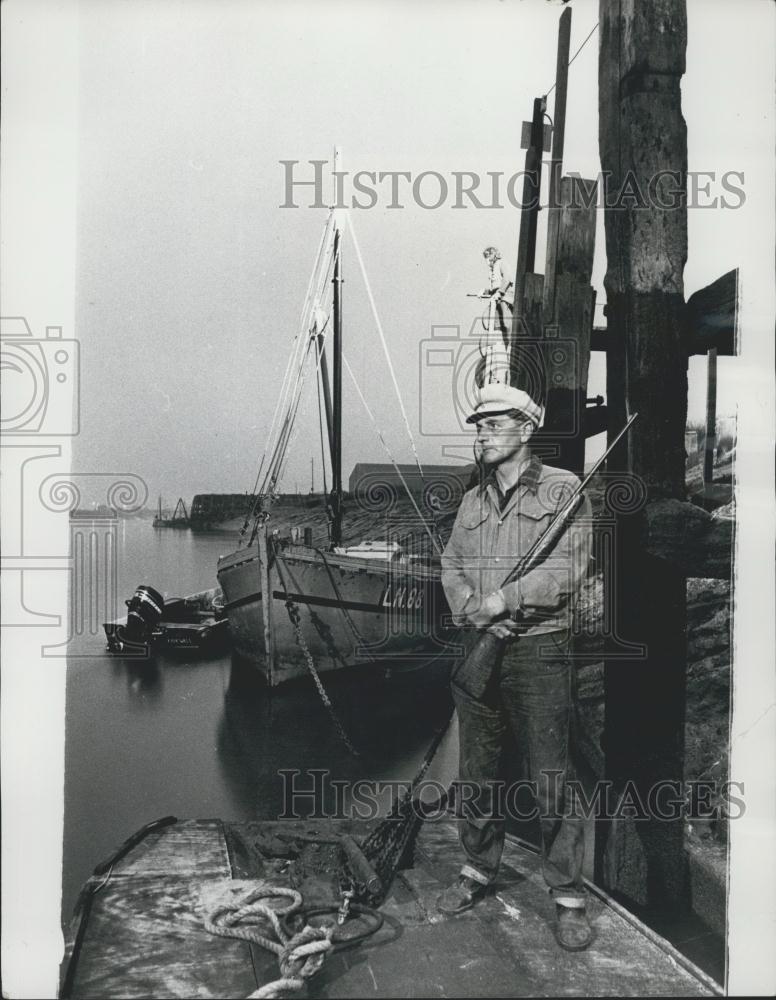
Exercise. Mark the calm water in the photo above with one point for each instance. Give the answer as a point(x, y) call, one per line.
point(199, 737)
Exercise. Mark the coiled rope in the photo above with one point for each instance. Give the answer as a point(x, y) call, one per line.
point(300, 955)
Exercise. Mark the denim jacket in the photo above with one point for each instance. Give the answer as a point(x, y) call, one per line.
point(486, 544)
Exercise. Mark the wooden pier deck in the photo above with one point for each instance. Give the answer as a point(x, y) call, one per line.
point(143, 935)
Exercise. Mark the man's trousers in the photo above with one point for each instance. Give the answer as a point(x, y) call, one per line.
point(530, 693)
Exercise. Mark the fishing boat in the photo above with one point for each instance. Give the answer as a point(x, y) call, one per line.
point(293, 604)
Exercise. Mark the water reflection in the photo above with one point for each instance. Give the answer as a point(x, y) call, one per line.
point(144, 680)
point(263, 732)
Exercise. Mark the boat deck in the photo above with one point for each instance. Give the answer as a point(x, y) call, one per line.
point(144, 933)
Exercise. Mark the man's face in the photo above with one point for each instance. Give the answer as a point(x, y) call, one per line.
point(500, 438)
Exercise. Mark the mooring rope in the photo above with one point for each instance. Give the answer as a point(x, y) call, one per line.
point(300, 955)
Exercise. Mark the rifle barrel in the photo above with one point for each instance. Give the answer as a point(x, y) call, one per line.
point(565, 510)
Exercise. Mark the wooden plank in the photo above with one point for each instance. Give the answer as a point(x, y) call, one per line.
point(711, 319)
point(576, 236)
point(518, 919)
point(530, 356)
point(450, 959)
point(567, 366)
point(571, 245)
point(146, 938)
point(568, 317)
point(191, 847)
point(598, 339)
point(556, 162)
point(712, 316)
point(531, 319)
point(596, 420)
point(526, 244)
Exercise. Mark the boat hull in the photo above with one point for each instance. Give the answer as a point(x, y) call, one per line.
point(352, 612)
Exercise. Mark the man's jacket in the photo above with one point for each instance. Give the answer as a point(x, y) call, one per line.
point(486, 543)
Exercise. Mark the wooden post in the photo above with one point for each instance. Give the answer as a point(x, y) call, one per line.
point(532, 182)
point(641, 133)
point(711, 417)
point(556, 163)
point(569, 325)
point(532, 321)
point(266, 602)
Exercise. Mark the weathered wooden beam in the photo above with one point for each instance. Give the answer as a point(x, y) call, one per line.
point(530, 357)
point(568, 319)
point(527, 349)
point(641, 133)
point(532, 182)
point(598, 339)
point(712, 317)
point(533, 297)
point(576, 230)
point(556, 162)
point(567, 355)
point(596, 420)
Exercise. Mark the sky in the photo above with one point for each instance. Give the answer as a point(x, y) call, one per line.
point(190, 276)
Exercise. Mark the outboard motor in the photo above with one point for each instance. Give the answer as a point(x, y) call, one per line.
point(144, 611)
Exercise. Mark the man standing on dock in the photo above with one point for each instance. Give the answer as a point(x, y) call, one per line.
point(529, 690)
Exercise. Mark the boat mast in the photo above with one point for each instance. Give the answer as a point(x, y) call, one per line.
point(336, 458)
point(336, 454)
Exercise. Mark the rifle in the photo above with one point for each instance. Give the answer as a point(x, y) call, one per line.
point(475, 670)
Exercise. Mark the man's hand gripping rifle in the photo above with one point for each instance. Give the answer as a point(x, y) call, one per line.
point(477, 667)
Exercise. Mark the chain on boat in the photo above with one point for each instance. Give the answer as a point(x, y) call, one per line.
point(295, 618)
point(294, 615)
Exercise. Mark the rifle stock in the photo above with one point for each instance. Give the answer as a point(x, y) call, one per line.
point(474, 671)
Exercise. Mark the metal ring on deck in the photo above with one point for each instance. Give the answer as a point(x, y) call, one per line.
point(339, 943)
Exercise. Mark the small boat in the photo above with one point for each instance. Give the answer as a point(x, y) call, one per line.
point(143, 923)
point(196, 622)
point(179, 518)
